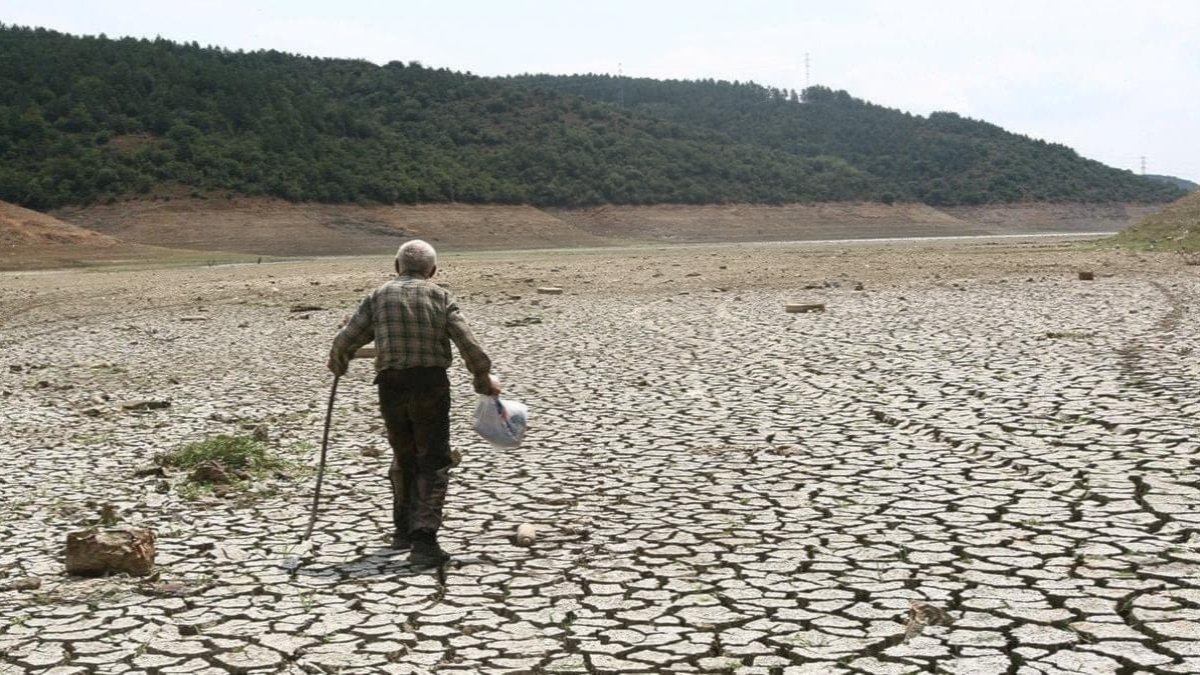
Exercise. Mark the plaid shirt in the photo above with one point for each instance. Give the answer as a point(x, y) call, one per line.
point(412, 321)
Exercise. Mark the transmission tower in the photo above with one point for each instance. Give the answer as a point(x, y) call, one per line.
point(620, 86)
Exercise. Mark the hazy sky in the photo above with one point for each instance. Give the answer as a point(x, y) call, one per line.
point(1114, 80)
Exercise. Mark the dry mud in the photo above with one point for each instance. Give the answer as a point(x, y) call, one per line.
point(719, 486)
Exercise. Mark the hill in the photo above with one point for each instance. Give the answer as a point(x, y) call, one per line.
point(1181, 183)
point(1174, 228)
point(88, 119)
point(942, 159)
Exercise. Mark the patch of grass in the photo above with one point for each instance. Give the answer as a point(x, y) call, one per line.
point(239, 453)
point(224, 465)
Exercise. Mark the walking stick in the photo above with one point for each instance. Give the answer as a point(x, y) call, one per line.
point(312, 518)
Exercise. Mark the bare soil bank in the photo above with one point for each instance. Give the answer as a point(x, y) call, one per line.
point(273, 227)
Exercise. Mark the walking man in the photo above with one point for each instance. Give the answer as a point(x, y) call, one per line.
point(413, 321)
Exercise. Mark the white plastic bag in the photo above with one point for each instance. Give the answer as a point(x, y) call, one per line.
point(501, 422)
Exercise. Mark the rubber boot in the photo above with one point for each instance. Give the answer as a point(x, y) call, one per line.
point(425, 550)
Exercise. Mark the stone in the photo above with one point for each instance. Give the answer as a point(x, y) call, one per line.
point(550, 290)
point(95, 552)
point(211, 472)
point(804, 308)
point(144, 405)
point(261, 433)
point(1087, 276)
point(21, 584)
point(526, 534)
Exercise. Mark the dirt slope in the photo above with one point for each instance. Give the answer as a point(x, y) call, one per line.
point(30, 239)
point(274, 227)
point(741, 222)
point(1174, 228)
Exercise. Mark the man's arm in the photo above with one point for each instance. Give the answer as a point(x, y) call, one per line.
point(357, 332)
point(472, 354)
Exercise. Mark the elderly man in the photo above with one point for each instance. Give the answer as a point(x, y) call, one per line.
point(412, 321)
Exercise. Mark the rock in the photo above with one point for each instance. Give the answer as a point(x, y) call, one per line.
point(94, 552)
point(526, 535)
point(169, 589)
point(371, 451)
point(22, 584)
point(211, 472)
point(920, 615)
point(147, 471)
point(1087, 276)
point(455, 457)
point(527, 321)
point(801, 308)
point(193, 317)
point(858, 286)
point(109, 515)
point(261, 433)
point(549, 290)
point(305, 308)
point(140, 406)
point(162, 487)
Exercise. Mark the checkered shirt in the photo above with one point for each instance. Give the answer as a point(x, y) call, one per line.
point(412, 321)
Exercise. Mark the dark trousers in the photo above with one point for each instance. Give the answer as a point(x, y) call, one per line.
point(415, 403)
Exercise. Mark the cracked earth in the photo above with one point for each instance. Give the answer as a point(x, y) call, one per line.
point(718, 486)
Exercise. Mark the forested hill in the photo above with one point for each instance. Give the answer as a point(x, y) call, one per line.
point(940, 159)
point(92, 119)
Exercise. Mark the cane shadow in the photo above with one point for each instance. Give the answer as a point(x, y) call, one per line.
point(382, 562)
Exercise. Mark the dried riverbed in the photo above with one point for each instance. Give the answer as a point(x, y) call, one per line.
point(720, 486)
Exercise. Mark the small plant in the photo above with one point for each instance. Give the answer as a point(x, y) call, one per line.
point(239, 453)
point(221, 465)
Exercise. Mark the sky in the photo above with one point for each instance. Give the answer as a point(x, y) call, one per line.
point(1116, 81)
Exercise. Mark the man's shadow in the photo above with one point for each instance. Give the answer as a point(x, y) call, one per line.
point(380, 562)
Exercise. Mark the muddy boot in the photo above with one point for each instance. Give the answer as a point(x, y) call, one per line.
point(401, 541)
point(425, 550)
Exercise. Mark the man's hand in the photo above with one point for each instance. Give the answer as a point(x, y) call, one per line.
point(338, 369)
point(487, 386)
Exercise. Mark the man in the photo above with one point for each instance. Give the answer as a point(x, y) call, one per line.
point(413, 321)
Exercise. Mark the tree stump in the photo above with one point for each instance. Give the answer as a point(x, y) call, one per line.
point(95, 552)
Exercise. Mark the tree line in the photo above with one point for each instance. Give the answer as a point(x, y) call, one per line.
point(89, 119)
